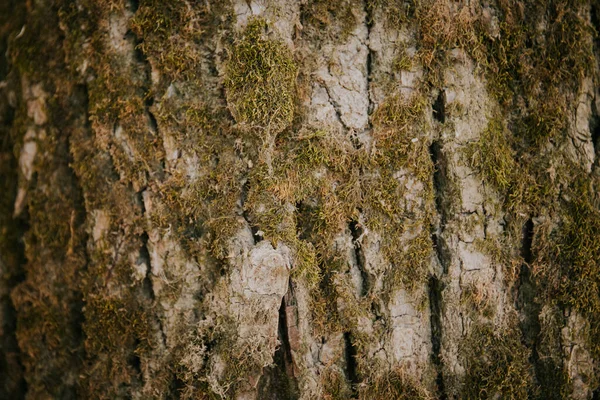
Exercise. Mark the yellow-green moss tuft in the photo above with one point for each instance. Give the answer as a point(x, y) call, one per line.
point(260, 80)
point(394, 384)
point(497, 364)
point(568, 263)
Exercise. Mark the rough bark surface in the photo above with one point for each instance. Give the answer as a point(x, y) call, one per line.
point(299, 199)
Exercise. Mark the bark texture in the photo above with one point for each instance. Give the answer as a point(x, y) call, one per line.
point(299, 199)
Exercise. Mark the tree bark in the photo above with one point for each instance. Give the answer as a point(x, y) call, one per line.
point(299, 199)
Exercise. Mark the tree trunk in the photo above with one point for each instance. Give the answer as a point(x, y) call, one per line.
point(299, 199)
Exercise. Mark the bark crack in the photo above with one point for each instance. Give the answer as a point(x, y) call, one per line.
point(439, 107)
point(435, 285)
point(435, 305)
point(526, 303)
point(357, 233)
point(12, 251)
point(350, 353)
point(279, 381)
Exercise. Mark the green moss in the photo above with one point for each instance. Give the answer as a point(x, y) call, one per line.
point(333, 19)
point(123, 324)
point(521, 186)
point(551, 372)
point(335, 385)
point(173, 34)
point(497, 364)
point(394, 384)
point(568, 263)
point(398, 189)
point(402, 61)
point(477, 300)
point(395, 12)
point(260, 80)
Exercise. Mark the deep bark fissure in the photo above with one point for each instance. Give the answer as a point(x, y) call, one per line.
point(435, 306)
point(526, 300)
point(369, 24)
point(256, 235)
point(144, 257)
point(357, 231)
point(439, 182)
point(350, 353)
point(435, 285)
point(278, 381)
point(13, 384)
point(12, 253)
point(595, 131)
point(439, 107)
point(80, 103)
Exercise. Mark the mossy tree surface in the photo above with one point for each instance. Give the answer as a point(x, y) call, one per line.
point(299, 199)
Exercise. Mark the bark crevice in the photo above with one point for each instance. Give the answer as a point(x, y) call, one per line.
point(279, 381)
point(435, 305)
point(435, 284)
point(526, 300)
point(439, 107)
point(350, 353)
point(357, 232)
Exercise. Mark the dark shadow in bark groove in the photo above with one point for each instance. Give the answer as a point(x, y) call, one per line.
point(435, 304)
point(356, 230)
point(440, 180)
point(12, 251)
point(435, 285)
point(595, 130)
point(176, 387)
point(253, 227)
point(145, 258)
point(278, 381)
point(12, 383)
point(526, 303)
point(351, 371)
point(439, 107)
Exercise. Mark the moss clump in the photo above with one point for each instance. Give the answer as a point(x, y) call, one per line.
point(398, 189)
point(494, 157)
point(172, 35)
point(541, 49)
point(497, 364)
point(260, 80)
point(395, 384)
point(123, 324)
point(335, 19)
point(306, 199)
point(335, 384)
point(216, 349)
point(118, 335)
point(568, 257)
